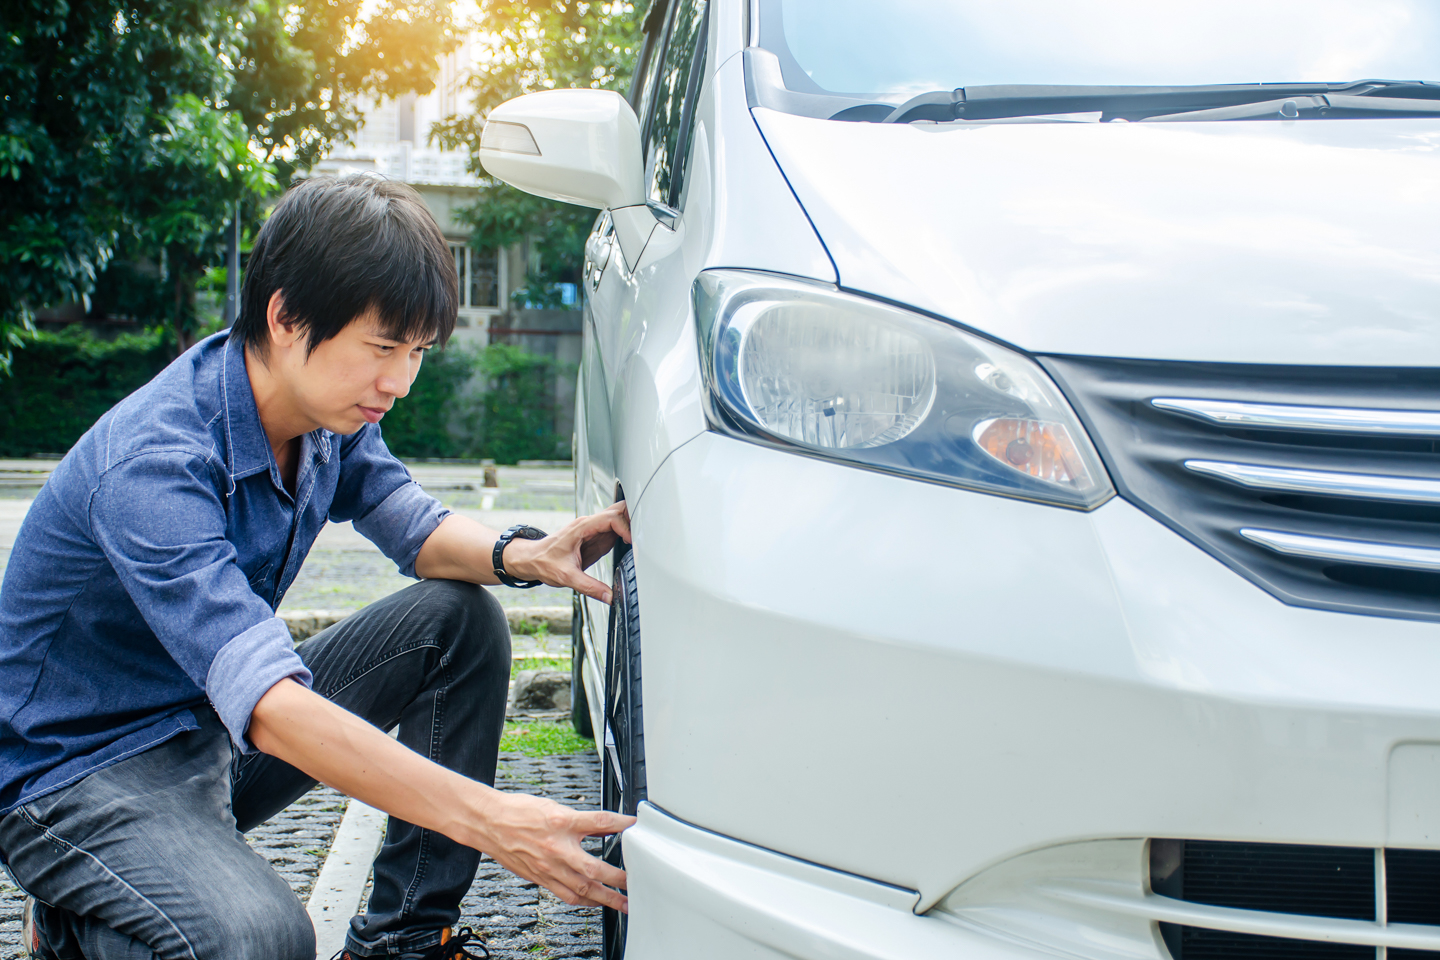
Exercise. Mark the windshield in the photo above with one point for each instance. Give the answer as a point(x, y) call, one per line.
point(888, 52)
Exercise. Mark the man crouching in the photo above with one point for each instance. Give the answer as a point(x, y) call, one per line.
point(152, 708)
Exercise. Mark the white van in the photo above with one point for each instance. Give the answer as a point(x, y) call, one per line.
point(1029, 416)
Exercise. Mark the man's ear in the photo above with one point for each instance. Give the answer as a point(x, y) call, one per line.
point(284, 332)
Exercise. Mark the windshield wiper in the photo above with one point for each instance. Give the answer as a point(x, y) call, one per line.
point(1331, 106)
point(1141, 103)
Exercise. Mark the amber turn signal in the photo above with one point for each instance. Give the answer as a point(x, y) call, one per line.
point(1038, 448)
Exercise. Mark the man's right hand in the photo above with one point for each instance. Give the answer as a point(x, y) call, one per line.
point(539, 840)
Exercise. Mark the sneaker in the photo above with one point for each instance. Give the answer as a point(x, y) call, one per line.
point(449, 948)
point(35, 948)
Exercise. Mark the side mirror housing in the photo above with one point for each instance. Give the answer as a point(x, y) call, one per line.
point(579, 146)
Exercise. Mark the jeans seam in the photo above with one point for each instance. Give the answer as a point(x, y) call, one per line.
point(437, 713)
point(360, 672)
point(54, 837)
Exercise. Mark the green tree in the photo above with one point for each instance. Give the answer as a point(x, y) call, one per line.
point(304, 68)
point(300, 77)
point(205, 169)
point(540, 45)
point(128, 125)
point(95, 93)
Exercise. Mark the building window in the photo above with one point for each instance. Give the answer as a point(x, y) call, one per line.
point(479, 273)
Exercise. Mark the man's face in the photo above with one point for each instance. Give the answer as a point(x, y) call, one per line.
point(353, 378)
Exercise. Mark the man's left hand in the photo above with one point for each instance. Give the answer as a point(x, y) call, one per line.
point(562, 558)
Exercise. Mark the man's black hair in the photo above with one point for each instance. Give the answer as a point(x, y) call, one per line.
point(336, 249)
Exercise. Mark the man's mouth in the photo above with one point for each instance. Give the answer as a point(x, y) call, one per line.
point(371, 414)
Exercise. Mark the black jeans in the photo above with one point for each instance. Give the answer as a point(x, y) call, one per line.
point(145, 858)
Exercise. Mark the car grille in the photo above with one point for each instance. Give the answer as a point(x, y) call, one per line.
point(1317, 881)
point(1321, 485)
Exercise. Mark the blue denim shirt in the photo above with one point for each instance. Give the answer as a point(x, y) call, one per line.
point(145, 577)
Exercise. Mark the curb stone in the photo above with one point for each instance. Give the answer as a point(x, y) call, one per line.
point(304, 624)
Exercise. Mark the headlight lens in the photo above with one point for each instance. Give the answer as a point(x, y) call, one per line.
point(802, 366)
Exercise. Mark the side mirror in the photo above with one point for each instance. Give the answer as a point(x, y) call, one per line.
point(579, 146)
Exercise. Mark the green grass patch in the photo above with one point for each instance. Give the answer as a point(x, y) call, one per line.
point(539, 663)
point(543, 738)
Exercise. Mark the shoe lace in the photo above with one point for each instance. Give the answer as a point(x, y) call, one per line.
point(456, 947)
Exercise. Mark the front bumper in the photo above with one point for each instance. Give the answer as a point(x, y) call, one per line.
point(917, 684)
point(698, 895)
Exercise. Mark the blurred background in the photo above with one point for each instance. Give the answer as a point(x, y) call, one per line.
point(142, 145)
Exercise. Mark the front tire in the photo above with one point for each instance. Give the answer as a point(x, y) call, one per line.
point(623, 782)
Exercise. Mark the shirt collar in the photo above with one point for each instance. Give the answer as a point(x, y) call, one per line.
point(247, 451)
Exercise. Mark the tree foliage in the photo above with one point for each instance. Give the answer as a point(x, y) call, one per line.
point(63, 382)
point(496, 401)
point(130, 129)
point(540, 45)
point(304, 68)
point(98, 95)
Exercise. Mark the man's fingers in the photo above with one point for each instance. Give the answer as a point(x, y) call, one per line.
point(596, 893)
point(602, 823)
point(613, 519)
point(589, 586)
point(595, 548)
point(598, 871)
point(620, 521)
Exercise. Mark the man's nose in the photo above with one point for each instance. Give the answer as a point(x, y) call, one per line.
point(396, 382)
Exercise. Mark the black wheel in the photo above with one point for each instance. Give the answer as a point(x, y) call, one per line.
point(622, 779)
point(579, 703)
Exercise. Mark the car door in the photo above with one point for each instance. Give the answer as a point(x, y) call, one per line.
point(605, 280)
point(663, 93)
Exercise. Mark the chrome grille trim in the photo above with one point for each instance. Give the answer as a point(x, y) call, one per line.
point(1277, 416)
point(1346, 551)
point(1321, 482)
point(1332, 470)
point(1125, 899)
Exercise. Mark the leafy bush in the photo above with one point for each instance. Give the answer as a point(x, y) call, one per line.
point(62, 382)
point(497, 402)
point(435, 419)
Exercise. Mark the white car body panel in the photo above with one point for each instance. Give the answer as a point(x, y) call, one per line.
point(1262, 721)
point(1271, 242)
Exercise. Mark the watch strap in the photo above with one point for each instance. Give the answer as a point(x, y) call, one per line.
point(497, 556)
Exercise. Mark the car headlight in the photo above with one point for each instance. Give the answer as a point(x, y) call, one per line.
point(806, 368)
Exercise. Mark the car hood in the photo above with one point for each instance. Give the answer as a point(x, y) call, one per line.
point(1314, 242)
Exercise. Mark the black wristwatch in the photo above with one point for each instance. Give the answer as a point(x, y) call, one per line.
point(498, 557)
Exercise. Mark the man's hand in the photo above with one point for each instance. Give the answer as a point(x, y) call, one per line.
point(562, 558)
point(539, 840)
point(535, 838)
point(461, 549)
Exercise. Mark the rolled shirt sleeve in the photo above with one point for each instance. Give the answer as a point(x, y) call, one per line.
point(170, 551)
point(387, 506)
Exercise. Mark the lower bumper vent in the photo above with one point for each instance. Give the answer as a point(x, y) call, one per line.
point(1197, 943)
point(1348, 883)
